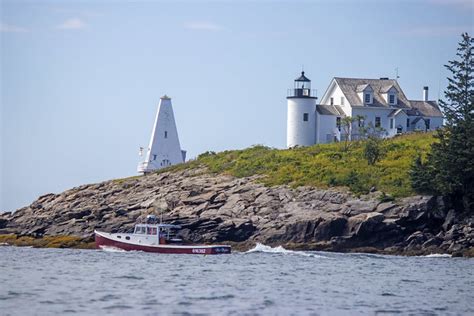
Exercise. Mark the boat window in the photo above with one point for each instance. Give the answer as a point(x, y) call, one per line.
point(127, 238)
point(140, 230)
point(151, 230)
point(119, 236)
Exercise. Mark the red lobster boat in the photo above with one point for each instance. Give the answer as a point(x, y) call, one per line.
point(155, 237)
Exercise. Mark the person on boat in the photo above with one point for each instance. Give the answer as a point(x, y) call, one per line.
point(162, 236)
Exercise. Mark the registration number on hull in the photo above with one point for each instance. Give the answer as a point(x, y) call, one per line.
point(198, 250)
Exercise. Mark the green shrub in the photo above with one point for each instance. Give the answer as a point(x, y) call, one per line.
point(324, 165)
point(372, 150)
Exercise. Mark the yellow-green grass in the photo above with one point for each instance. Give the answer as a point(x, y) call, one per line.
point(46, 242)
point(324, 165)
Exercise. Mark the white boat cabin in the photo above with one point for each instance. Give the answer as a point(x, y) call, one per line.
point(163, 232)
point(150, 233)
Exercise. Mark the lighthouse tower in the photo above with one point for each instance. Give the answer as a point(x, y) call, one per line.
point(301, 119)
point(164, 149)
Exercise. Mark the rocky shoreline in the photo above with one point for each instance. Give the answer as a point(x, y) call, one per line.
point(243, 212)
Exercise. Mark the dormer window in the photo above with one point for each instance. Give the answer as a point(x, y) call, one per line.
point(366, 93)
point(391, 99)
point(389, 94)
point(367, 98)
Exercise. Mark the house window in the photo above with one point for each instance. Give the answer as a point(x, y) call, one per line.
point(408, 122)
point(154, 157)
point(391, 98)
point(342, 100)
point(367, 97)
point(305, 117)
point(391, 123)
point(427, 123)
point(399, 130)
point(377, 121)
point(166, 134)
point(338, 123)
point(361, 122)
point(332, 101)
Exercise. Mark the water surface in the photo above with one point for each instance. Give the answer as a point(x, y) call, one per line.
point(264, 281)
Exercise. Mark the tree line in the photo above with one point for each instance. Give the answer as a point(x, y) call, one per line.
point(448, 169)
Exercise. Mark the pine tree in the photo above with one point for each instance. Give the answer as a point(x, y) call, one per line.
point(452, 156)
point(420, 176)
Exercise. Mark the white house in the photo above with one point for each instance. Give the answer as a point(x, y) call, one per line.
point(164, 149)
point(378, 103)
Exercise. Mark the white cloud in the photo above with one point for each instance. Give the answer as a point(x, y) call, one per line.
point(73, 24)
point(12, 28)
point(203, 26)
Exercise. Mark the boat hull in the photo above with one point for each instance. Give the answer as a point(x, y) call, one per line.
point(102, 240)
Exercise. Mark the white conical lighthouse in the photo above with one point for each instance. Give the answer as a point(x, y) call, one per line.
point(164, 149)
point(301, 119)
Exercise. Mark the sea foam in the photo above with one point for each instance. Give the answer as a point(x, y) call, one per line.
point(438, 255)
point(280, 250)
point(111, 249)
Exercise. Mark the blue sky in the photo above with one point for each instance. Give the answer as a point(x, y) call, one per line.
point(80, 81)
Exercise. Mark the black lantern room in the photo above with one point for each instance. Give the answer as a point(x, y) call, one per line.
point(302, 88)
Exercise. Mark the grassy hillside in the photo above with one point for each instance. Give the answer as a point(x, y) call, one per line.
point(324, 165)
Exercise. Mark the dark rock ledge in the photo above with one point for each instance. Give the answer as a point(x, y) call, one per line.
point(242, 212)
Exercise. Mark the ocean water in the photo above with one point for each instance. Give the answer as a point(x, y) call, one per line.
point(263, 281)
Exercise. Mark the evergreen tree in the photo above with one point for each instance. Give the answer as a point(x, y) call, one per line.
point(452, 157)
point(420, 177)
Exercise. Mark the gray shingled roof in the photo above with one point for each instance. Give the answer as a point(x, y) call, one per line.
point(386, 88)
point(412, 112)
point(395, 113)
point(350, 86)
point(361, 87)
point(416, 120)
point(339, 109)
point(427, 108)
point(326, 109)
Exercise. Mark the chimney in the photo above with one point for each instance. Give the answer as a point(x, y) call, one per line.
point(425, 93)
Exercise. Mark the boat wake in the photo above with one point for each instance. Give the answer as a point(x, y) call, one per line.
point(438, 255)
point(111, 249)
point(280, 250)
